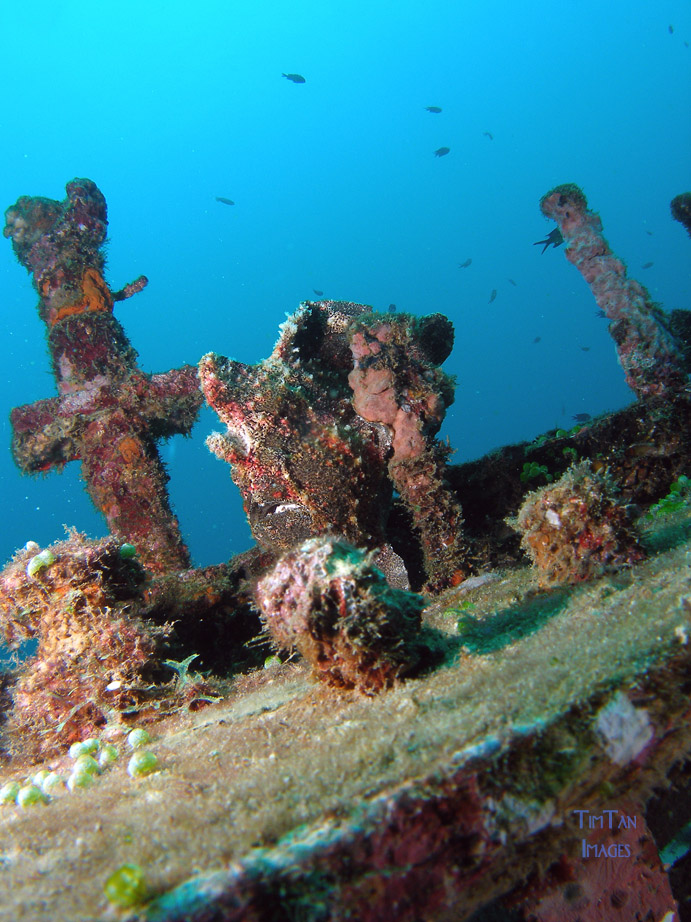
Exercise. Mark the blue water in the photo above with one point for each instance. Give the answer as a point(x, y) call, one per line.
point(168, 105)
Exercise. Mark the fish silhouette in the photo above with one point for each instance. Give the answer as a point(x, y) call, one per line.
point(317, 292)
point(224, 201)
point(442, 151)
point(488, 134)
point(434, 109)
point(465, 264)
point(554, 238)
point(296, 78)
point(647, 265)
point(492, 296)
point(513, 283)
point(581, 417)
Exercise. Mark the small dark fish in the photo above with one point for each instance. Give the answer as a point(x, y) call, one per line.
point(537, 339)
point(492, 296)
point(488, 134)
point(296, 78)
point(554, 238)
point(600, 313)
point(224, 201)
point(644, 450)
point(581, 417)
point(435, 110)
point(649, 233)
point(442, 151)
point(513, 283)
point(317, 292)
point(392, 308)
point(670, 29)
point(585, 348)
point(647, 265)
point(465, 264)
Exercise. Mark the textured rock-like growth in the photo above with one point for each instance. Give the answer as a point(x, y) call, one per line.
point(74, 597)
point(315, 444)
point(680, 207)
point(326, 600)
point(108, 413)
point(648, 352)
point(396, 382)
point(112, 637)
point(302, 459)
point(575, 529)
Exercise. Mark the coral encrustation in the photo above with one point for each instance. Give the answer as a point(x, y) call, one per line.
point(327, 600)
point(680, 207)
point(75, 598)
point(346, 405)
point(575, 529)
point(396, 382)
point(648, 352)
point(108, 413)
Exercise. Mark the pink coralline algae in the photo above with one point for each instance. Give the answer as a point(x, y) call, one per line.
point(648, 352)
point(326, 600)
point(575, 529)
point(396, 383)
point(108, 413)
point(314, 444)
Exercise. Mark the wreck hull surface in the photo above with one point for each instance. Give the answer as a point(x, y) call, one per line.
point(429, 800)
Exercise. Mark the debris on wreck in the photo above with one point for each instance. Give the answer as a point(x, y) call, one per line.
point(304, 462)
point(648, 351)
point(575, 529)
point(93, 653)
point(103, 626)
point(397, 383)
point(316, 444)
point(326, 600)
point(108, 413)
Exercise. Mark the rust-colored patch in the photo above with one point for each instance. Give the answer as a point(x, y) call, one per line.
point(96, 296)
point(130, 449)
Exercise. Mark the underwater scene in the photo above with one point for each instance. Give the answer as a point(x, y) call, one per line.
point(346, 483)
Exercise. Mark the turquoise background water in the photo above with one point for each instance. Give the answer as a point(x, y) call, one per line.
point(168, 105)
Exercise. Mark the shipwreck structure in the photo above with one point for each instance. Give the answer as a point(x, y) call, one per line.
point(501, 742)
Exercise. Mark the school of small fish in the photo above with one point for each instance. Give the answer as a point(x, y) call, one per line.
point(554, 237)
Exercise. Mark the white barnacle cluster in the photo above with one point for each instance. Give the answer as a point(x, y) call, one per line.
point(90, 759)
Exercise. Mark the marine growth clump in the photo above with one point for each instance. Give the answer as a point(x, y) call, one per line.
point(326, 600)
point(575, 529)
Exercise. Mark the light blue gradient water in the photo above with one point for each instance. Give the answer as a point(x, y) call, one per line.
point(168, 105)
